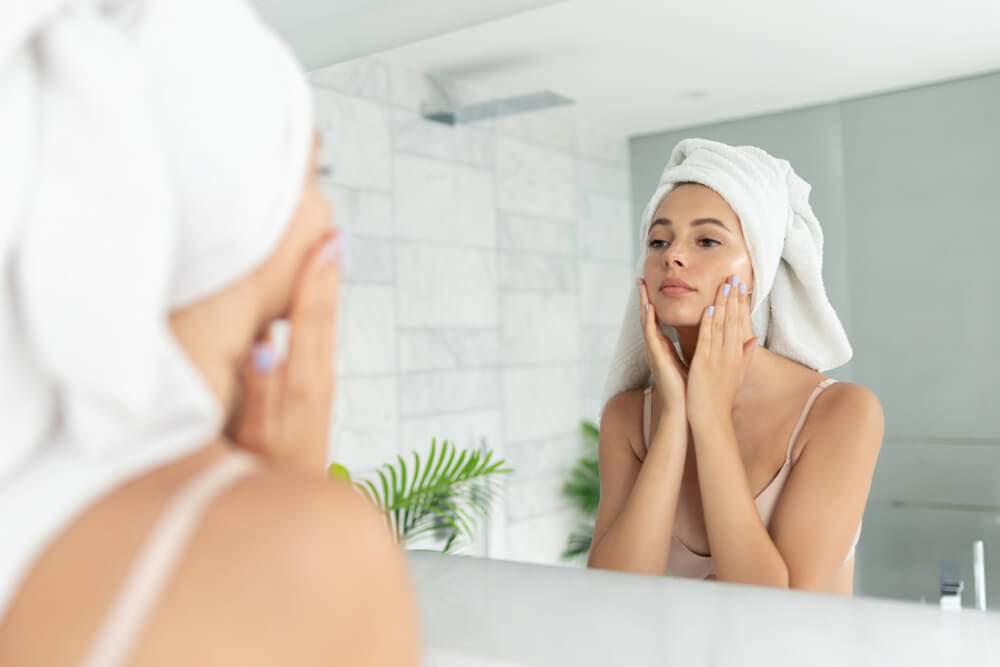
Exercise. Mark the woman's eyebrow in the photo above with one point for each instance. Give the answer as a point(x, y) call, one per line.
point(700, 221)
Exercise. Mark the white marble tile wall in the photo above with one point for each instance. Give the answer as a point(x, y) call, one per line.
point(489, 273)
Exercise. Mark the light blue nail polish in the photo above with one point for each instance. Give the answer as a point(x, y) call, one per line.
point(338, 249)
point(711, 310)
point(725, 290)
point(735, 280)
point(264, 358)
point(743, 288)
point(331, 249)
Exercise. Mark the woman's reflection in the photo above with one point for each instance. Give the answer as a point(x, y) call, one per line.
point(740, 462)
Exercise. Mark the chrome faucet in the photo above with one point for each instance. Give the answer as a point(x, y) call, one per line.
point(951, 585)
point(979, 573)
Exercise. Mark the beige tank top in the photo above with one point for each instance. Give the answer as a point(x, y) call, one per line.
point(684, 562)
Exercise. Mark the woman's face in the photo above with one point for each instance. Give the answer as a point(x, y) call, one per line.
point(696, 238)
point(311, 221)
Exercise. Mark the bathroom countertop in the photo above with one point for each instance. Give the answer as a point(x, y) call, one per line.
point(490, 613)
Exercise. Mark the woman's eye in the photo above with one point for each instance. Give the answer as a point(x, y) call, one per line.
point(660, 243)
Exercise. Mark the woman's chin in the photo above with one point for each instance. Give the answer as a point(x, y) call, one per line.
point(676, 317)
point(683, 324)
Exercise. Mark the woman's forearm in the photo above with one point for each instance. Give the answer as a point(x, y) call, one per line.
point(639, 539)
point(742, 549)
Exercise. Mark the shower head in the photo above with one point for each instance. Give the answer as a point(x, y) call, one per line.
point(494, 108)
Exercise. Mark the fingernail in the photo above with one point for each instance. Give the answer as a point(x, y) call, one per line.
point(725, 290)
point(743, 288)
point(711, 310)
point(339, 249)
point(735, 280)
point(647, 307)
point(264, 358)
point(331, 248)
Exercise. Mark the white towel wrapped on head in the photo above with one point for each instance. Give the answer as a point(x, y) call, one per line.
point(790, 310)
point(152, 152)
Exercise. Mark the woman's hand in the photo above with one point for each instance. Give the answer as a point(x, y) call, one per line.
point(669, 371)
point(722, 356)
point(284, 414)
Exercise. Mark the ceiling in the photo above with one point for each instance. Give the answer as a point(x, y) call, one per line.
point(641, 66)
point(324, 32)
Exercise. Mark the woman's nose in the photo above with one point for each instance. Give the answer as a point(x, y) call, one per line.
point(673, 257)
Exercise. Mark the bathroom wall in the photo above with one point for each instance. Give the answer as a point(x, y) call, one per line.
point(904, 185)
point(489, 275)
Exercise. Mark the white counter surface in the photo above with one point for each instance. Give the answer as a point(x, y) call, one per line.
point(489, 613)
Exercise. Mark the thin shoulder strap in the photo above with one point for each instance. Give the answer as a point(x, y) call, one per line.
point(647, 406)
point(143, 586)
point(805, 413)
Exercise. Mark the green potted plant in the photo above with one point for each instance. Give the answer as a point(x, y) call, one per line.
point(583, 488)
point(444, 496)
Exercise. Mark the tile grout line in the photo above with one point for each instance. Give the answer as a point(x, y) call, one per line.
point(496, 545)
point(394, 213)
point(534, 143)
point(535, 366)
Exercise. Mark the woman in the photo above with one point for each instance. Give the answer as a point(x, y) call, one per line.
point(742, 462)
point(162, 489)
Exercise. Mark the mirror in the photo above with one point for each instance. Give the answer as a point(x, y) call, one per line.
point(495, 245)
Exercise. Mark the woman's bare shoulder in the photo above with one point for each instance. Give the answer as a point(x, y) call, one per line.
point(848, 396)
point(621, 424)
point(851, 410)
point(623, 409)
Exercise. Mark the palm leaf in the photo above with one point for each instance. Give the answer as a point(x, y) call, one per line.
point(446, 496)
point(578, 544)
point(583, 488)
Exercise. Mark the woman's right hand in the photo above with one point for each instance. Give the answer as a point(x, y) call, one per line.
point(284, 414)
point(669, 371)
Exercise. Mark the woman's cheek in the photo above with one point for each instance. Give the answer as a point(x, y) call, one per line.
point(648, 267)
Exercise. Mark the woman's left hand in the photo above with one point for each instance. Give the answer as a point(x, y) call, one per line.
point(722, 356)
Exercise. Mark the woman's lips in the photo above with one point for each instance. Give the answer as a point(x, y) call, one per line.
point(675, 291)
